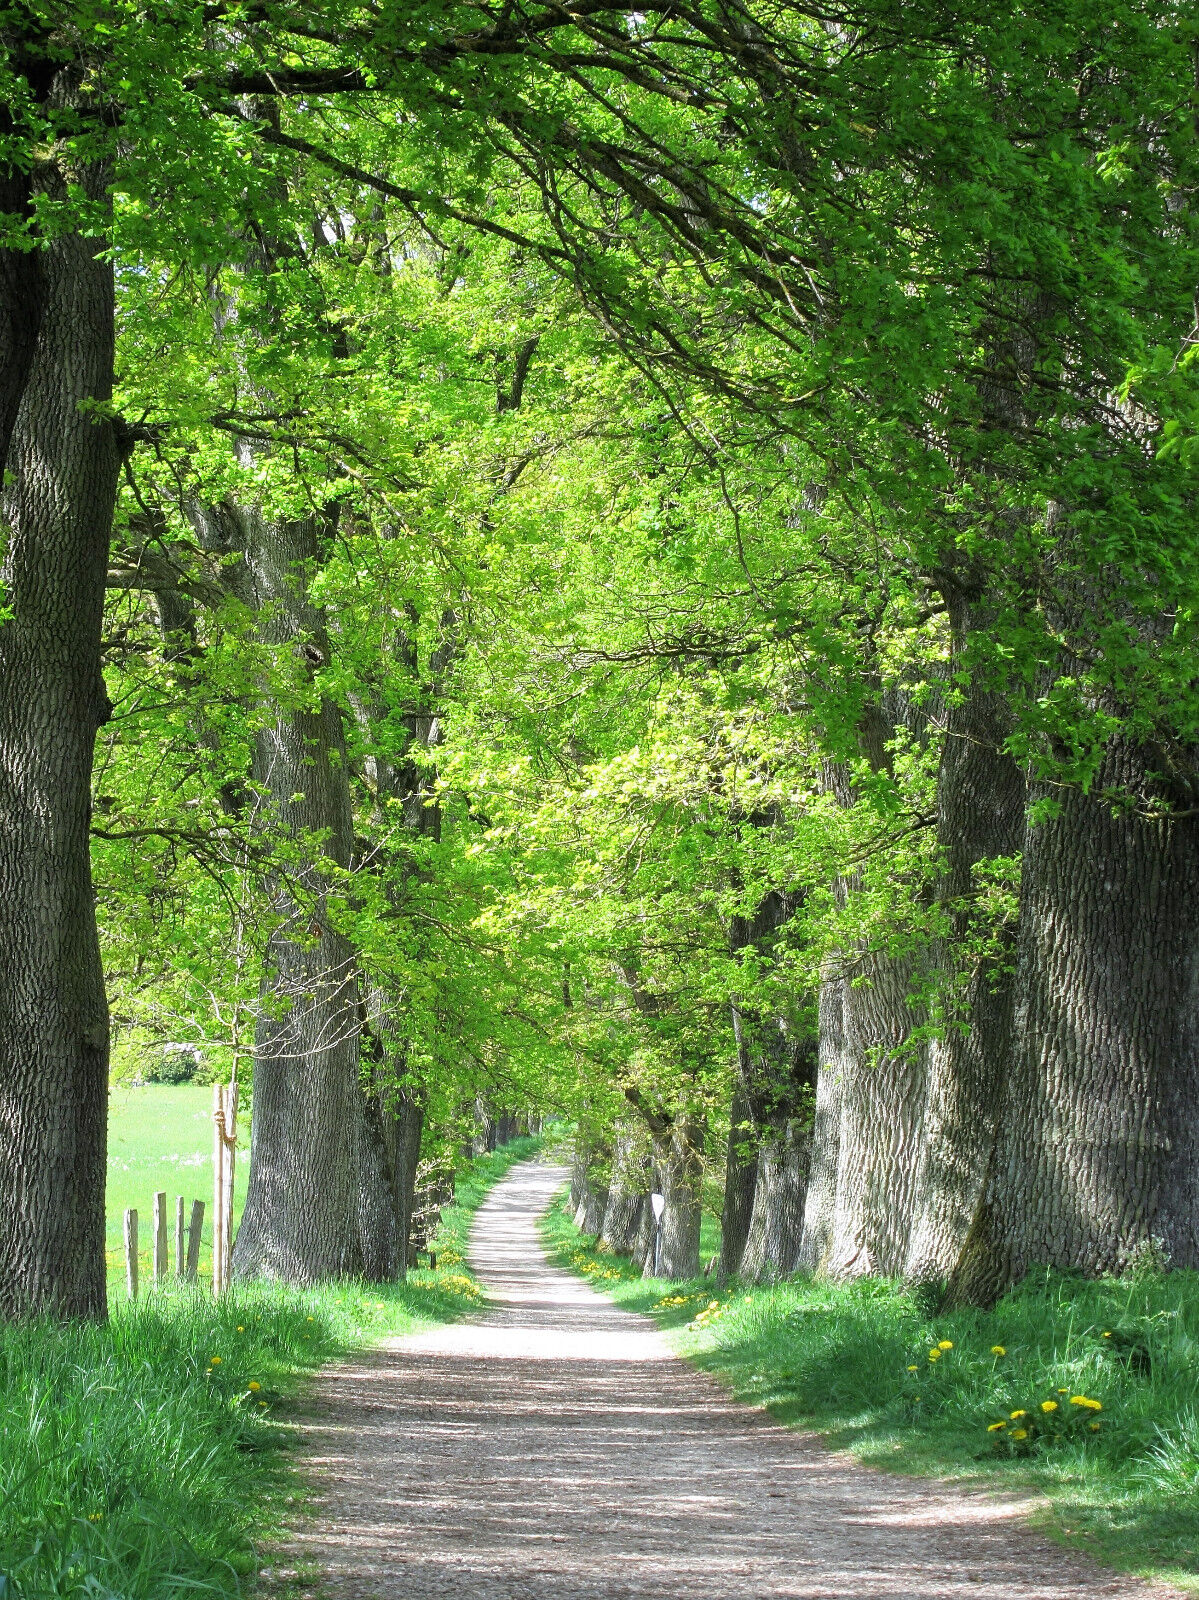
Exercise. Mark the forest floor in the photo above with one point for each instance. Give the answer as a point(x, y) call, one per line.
point(553, 1447)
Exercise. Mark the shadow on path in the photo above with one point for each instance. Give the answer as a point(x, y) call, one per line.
point(554, 1449)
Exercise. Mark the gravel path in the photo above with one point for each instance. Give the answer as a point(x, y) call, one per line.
point(554, 1449)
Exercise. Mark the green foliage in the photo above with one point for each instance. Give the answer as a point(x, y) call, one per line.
point(854, 1361)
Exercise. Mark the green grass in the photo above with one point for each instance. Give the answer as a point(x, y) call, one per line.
point(137, 1460)
point(160, 1138)
point(836, 1358)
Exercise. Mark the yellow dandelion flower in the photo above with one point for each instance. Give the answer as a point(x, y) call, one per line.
point(913, 1369)
point(1082, 1400)
point(995, 1427)
point(253, 1386)
point(95, 1516)
point(240, 1329)
point(1048, 1405)
point(998, 1350)
point(934, 1355)
point(214, 1361)
point(945, 1344)
point(1107, 1336)
point(309, 1319)
point(1094, 1427)
point(1015, 1414)
point(1019, 1433)
point(262, 1405)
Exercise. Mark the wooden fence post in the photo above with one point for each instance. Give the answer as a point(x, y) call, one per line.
point(131, 1254)
point(224, 1115)
point(160, 1237)
point(193, 1240)
point(178, 1235)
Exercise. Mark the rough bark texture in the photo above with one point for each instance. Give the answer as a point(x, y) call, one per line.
point(773, 1241)
point(304, 1214)
point(740, 1177)
point(678, 1153)
point(981, 807)
point(1099, 1145)
point(627, 1190)
point(882, 1097)
point(58, 508)
point(820, 1201)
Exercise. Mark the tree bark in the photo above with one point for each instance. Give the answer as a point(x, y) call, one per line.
point(820, 1201)
point(981, 809)
point(678, 1156)
point(627, 1191)
point(63, 462)
point(303, 1218)
point(1098, 1152)
point(740, 1178)
point(776, 1225)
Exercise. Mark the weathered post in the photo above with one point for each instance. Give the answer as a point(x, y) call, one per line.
point(179, 1262)
point(160, 1237)
point(224, 1115)
point(195, 1229)
point(131, 1254)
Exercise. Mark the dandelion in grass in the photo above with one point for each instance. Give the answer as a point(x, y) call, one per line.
point(214, 1361)
point(1019, 1433)
point(1048, 1405)
point(253, 1386)
point(1086, 1402)
point(945, 1344)
point(1016, 1415)
point(240, 1329)
point(934, 1355)
point(96, 1516)
point(998, 1350)
point(994, 1427)
point(913, 1369)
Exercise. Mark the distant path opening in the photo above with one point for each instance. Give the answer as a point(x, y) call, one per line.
point(554, 1449)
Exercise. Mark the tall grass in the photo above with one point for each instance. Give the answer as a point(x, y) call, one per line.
point(839, 1358)
point(146, 1458)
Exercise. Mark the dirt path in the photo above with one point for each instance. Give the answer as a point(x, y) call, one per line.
point(554, 1449)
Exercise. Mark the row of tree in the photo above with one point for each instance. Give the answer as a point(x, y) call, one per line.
point(637, 563)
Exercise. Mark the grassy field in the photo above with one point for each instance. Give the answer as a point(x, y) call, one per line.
point(160, 1138)
point(993, 1397)
point(147, 1459)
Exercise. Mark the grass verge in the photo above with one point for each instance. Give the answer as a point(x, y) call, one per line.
point(869, 1367)
point(146, 1458)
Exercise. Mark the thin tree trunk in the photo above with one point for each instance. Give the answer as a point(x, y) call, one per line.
point(63, 465)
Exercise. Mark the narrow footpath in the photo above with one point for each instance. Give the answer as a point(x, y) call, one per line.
point(554, 1449)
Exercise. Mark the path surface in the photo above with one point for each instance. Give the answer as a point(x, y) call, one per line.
point(554, 1449)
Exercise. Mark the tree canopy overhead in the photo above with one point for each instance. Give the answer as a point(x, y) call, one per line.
point(640, 563)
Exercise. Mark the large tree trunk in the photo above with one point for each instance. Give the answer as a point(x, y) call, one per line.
point(981, 808)
point(820, 1201)
point(1098, 1151)
point(303, 1214)
point(627, 1190)
point(678, 1157)
point(882, 1102)
point(776, 1226)
point(63, 464)
point(740, 1178)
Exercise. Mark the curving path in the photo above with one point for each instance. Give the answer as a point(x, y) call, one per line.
point(554, 1449)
